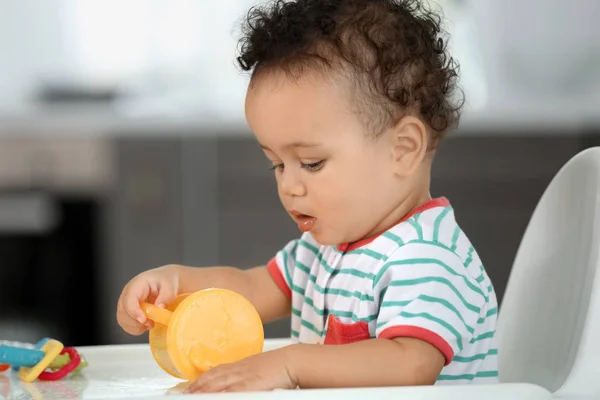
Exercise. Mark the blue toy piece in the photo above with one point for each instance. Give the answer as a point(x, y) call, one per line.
point(19, 355)
point(47, 360)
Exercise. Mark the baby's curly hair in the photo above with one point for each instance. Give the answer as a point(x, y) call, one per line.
point(391, 51)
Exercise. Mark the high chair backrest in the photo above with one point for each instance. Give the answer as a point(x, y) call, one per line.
point(550, 312)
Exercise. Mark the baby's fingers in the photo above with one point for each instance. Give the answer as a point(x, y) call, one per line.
point(131, 298)
point(129, 325)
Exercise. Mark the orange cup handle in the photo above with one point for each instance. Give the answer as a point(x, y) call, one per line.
point(156, 314)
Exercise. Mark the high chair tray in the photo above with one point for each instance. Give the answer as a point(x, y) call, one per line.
point(129, 372)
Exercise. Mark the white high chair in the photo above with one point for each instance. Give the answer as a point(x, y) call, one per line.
point(549, 322)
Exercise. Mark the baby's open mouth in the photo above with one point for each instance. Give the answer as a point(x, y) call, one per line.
point(305, 222)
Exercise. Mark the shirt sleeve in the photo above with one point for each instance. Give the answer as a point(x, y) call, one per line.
point(424, 291)
point(281, 267)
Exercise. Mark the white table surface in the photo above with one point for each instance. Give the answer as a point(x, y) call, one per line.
point(129, 371)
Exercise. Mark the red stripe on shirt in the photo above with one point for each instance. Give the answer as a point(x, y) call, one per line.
point(422, 334)
point(277, 276)
point(438, 202)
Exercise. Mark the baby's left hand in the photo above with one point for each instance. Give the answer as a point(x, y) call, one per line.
point(264, 371)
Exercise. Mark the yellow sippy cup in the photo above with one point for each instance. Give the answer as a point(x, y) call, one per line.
point(201, 330)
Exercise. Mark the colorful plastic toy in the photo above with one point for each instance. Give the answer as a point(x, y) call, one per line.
point(201, 330)
point(46, 360)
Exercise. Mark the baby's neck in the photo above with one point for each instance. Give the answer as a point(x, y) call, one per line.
point(418, 194)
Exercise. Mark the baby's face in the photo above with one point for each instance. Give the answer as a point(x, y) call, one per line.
point(333, 179)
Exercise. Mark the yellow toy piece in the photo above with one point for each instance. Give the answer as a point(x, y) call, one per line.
point(201, 330)
point(52, 349)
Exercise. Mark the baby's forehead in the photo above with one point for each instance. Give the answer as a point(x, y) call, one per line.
point(308, 79)
point(317, 97)
point(291, 143)
point(340, 85)
point(280, 106)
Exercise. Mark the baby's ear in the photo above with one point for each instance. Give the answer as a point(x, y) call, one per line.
point(409, 139)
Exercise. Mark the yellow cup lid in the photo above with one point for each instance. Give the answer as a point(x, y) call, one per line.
point(209, 328)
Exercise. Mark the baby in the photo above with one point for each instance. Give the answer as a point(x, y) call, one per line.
point(349, 100)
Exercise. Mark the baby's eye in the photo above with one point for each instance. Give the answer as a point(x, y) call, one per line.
point(277, 167)
point(313, 166)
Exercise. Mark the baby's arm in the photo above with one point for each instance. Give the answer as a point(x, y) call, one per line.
point(375, 362)
point(161, 285)
point(267, 287)
point(255, 284)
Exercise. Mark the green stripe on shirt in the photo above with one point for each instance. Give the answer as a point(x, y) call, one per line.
point(393, 237)
point(315, 250)
point(333, 291)
point(431, 318)
point(455, 238)
point(344, 293)
point(438, 222)
point(337, 313)
point(432, 243)
point(469, 256)
point(470, 377)
point(369, 252)
point(311, 327)
point(428, 299)
point(428, 279)
point(483, 336)
point(349, 271)
point(490, 312)
point(480, 356)
point(354, 272)
point(417, 228)
point(286, 269)
point(449, 306)
point(417, 261)
point(397, 303)
point(302, 267)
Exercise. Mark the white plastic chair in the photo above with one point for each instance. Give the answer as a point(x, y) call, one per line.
point(549, 322)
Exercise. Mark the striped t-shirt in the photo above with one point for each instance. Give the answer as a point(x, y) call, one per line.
point(420, 279)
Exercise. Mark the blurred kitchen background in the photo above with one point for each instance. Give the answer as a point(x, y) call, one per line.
point(123, 145)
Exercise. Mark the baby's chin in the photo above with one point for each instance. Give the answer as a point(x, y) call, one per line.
point(322, 237)
point(325, 238)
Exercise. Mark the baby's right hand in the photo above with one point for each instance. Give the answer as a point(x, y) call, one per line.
point(158, 286)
